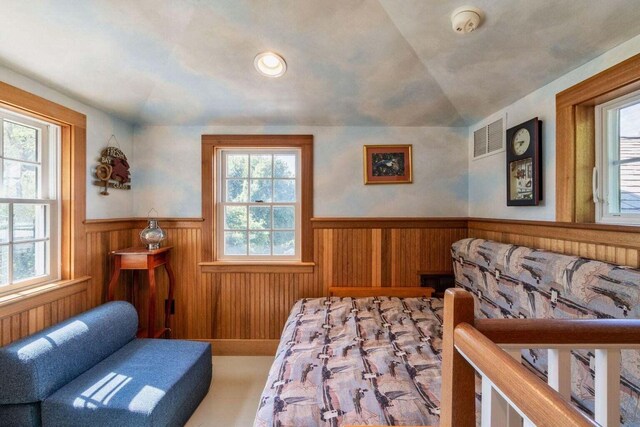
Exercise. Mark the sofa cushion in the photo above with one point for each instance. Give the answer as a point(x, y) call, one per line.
point(20, 415)
point(36, 366)
point(147, 382)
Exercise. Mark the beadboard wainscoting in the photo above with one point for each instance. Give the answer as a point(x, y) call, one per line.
point(243, 310)
point(615, 244)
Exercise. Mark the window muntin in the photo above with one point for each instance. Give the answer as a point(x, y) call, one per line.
point(29, 208)
point(259, 209)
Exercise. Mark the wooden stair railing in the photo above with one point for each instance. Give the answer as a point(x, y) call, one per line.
point(471, 345)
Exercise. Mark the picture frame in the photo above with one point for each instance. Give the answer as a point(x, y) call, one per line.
point(388, 164)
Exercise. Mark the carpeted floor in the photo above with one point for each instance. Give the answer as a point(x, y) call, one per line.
point(235, 392)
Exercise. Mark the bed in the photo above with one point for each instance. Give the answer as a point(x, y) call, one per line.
point(363, 361)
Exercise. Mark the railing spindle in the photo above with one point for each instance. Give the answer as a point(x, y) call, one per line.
point(559, 370)
point(513, 417)
point(607, 387)
point(495, 409)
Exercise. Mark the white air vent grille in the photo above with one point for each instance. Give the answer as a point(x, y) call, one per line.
point(495, 136)
point(480, 142)
point(488, 139)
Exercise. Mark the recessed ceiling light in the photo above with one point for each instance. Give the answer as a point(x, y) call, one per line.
point(270, 64)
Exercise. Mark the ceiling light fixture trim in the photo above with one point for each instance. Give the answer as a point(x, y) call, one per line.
point(270, 64)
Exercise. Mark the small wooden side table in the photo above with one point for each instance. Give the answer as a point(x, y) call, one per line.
point(145, 259)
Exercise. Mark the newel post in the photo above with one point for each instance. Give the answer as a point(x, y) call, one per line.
point(457, 402)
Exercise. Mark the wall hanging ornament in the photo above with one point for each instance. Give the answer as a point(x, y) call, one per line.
point(112, 170)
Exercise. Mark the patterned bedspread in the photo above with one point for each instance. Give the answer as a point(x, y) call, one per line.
point(356, 361)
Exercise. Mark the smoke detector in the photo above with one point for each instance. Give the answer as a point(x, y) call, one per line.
point(466, 19)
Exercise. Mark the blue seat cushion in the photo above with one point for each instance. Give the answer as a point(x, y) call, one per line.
point(146, 383)
point(36, 366)
point(20, 415)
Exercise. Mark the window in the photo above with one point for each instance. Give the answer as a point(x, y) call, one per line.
point(257, 203)
point(29, 208)
point(259, 207)
point(616, 179)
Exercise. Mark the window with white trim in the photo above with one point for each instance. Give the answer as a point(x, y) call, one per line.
point(259, 209)
point(29, 208)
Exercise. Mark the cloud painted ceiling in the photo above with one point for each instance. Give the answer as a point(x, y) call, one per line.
point(350, 62)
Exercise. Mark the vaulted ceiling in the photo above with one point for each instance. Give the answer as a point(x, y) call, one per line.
point(350, 62)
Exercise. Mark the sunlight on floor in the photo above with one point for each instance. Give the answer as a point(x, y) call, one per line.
point(235, 392)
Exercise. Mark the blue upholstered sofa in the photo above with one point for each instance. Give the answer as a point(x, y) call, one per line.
point(92, 371)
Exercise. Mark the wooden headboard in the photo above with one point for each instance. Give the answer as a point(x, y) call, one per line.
point(397, 291)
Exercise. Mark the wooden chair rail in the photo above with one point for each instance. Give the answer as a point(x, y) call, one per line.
point(539, 402)
point(597, 332)
point(389, 291)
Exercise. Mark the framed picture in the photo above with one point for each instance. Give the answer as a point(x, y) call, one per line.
point(387, 164)
point(524, 165)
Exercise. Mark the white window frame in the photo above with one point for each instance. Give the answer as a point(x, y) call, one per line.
point(49, 185)
point(220, 175)
point(607, 130)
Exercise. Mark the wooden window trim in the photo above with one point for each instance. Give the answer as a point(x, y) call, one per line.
point(575, 136)
point(73, 135)
point(212, 142)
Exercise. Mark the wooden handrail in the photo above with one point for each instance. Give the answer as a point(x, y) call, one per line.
point(618, 332)
point(539, 402)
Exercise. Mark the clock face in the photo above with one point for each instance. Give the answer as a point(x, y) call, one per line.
point(521, 141)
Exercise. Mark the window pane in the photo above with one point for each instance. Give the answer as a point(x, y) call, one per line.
point(284, 243)
point(235, 243)
point(261, 190)
point(259, 243)
point(261, 166)
point(19, 180)
point(28, 260)
point(4, 222)
point(29, 222)
point(629, 149)
point(4, 265)
point(235, 217)
point(284, 166)
point(237, 190)
point(20, 142)
point(259, 217)
point(284, 217)
point(238, 166)
point(284, 190)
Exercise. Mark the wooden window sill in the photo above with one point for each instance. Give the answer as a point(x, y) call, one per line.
point(256, 267)
point(16, 301)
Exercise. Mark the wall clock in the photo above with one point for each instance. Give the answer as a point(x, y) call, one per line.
point(524, 164)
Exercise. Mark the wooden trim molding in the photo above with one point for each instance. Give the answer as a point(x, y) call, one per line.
point(575, 136)
point(389, 291)
point(614, 235)
point(240, 347)
point(115, 224)
point(249, 267)
point(211, 143)
point(19, 301)
point(333, 223)
point(73, 171)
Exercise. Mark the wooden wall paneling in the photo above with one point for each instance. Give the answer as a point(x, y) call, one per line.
point(376, 257)
point(585, 158)
point(568, 239)
point(18, 325)
point(186, 239)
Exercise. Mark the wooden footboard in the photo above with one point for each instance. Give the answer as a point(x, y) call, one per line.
point(511, 394)
point(377, 291)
